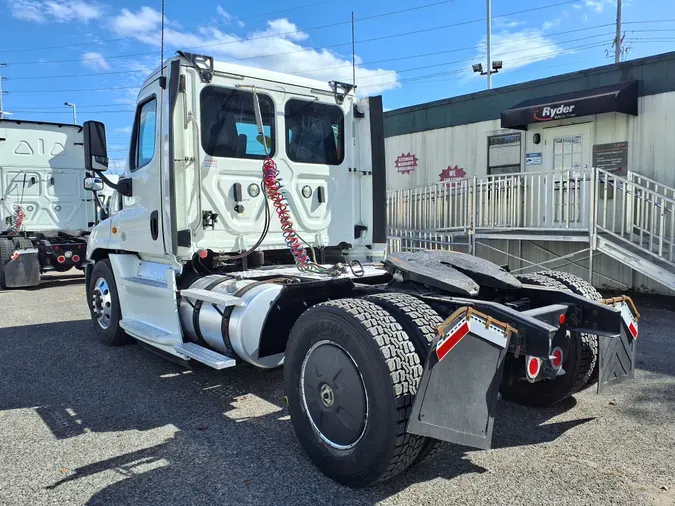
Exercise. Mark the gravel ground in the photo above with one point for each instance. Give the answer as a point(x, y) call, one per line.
point(84, 424)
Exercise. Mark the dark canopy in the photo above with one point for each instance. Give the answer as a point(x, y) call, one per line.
point(622, 97)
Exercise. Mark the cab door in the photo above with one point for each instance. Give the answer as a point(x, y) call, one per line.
point(139, 223)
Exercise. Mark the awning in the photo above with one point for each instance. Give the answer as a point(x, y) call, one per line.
point(622, 97)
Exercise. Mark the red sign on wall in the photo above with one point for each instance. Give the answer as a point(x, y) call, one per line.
point(406, 163)
point(451, 173)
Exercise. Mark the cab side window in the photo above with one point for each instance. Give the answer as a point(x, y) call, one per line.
point(143, 140)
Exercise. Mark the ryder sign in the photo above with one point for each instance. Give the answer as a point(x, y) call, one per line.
point(550, 113)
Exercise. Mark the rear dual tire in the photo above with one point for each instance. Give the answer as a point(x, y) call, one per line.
point(579, 363)
point(350, 375)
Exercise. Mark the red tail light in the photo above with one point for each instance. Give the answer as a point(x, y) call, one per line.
point(76, 258)
point(533, 366)
point(557, 358)
point(61, 259)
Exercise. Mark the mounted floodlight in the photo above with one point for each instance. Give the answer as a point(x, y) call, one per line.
point(477, 67)
point(496, 65)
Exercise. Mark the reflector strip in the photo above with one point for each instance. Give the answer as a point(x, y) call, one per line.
point(444, 347)
point(15, 255)
point(633, 330)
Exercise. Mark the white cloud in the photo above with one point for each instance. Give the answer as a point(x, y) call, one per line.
point(277, 47)
point(224, 14)
point(42, 11)
point(598, 6)
point(123, 130)
point(95, 61)
point(518, 49)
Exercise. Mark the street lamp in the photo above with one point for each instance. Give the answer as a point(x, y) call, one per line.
point(70, 104)
point(496, 67)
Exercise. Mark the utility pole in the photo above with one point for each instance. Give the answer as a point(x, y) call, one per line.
point(618, 41)
point(489, 46)
point(2, 111)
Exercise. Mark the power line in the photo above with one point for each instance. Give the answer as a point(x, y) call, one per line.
point(238, 41)
point(315, 4)
point(95, 74)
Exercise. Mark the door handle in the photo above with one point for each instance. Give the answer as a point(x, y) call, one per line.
point(154, 225)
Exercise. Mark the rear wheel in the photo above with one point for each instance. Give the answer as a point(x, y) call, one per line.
point(578, 365)
point(104, 305)
point(350, 375)
point(581, 287)
point(419, 321)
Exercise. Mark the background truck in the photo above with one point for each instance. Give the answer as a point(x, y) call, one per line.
point(45, 213)
point(252, 234)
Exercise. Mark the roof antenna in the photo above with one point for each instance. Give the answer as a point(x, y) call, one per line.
point(162, 78)
point(353, 56)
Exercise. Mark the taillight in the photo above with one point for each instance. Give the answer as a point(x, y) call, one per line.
point(557, 358)
point(76, 258)
point(61, 259)
point(562, 319)
point(56, 248)
point(532, 366)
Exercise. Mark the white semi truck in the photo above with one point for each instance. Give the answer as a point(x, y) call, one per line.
point(45, 213)
point(252, 234)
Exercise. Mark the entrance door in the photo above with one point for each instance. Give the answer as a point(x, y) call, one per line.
point(140, 220)
point(567, 159)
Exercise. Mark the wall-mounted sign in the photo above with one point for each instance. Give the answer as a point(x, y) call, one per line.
point(533, 158)
point(612, 157)
point(406, 163)
point(451, 173)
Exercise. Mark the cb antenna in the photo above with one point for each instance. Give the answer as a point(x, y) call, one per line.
point(162, 79)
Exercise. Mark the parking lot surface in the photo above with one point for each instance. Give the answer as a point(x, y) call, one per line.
point(81, 423)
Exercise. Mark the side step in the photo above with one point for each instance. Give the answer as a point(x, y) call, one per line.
point(205, 356)
point(220, 299)
point(144, 331)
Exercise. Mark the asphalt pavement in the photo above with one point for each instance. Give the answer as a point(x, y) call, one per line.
point(81, 423)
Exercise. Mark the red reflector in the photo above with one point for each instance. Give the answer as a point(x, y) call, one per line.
point(76, 258)
point(633, 330)
point(79, 246)
point(451, 341)
point(203, 254)
point(533, 367)
point(557, 359)
point(56, 248)
point(562, 319)
point(61, 259)
point(15, 255)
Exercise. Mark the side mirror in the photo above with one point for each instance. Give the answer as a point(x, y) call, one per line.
point(95, 149)
point(93, 184)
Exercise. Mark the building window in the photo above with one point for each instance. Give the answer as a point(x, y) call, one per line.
point(503, 153)
point(314, 132)
point(228, 127)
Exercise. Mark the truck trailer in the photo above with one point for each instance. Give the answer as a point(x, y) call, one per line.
point(45, 213)
point(251, 233)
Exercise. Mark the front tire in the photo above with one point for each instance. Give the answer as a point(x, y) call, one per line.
point(104, 305)
point(350, 375)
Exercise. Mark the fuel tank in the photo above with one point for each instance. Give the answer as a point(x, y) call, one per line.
point(232, 330)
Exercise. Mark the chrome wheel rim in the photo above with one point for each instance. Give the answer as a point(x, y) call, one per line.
point(101, 303)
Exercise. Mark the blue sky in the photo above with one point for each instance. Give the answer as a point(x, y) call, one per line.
point(56, 49)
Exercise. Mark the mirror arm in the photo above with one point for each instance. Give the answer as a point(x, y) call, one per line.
point(123, 186)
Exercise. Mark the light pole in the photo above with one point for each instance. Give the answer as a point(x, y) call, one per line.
point(496, 66)
point(70, 104)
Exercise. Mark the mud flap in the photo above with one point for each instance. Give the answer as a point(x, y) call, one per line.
point(23, 269)
point(458, 393)
point(617, 354)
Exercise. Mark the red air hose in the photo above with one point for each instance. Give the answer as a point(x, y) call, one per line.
point(274, 192)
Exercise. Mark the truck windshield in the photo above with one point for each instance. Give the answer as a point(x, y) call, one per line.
point(314, 132)
point(228, 125)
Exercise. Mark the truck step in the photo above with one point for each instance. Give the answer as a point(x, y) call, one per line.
point(220, 299)
point(205, 356)
point(144, 331)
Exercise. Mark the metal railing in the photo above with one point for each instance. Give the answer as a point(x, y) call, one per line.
point(636, 214)
point(447, 215)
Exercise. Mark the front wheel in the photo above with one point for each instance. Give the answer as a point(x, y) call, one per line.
point(104, 305)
